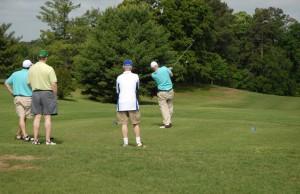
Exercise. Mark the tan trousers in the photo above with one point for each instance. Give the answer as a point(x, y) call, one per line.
point(165, 102)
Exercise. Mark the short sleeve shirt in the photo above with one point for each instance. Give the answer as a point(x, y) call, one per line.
point(19, 82)
point(41, 76)
point(127, 88)
point(162, 78)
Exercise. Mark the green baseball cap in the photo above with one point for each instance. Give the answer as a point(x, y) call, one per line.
point(42, 54)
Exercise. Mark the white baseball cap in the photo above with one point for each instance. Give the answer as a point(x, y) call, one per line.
point(153, 64)
point(27, 63)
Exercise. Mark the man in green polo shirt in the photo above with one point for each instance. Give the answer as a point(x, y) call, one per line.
point(43, 82)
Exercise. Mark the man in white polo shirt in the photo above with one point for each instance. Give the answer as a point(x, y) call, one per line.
point(128, 106)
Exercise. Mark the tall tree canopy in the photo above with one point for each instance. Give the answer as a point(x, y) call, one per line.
point(62, 41)
point(56, 14)
point(263, 55)
point(126, 32)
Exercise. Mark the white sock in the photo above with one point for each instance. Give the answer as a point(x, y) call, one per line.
point(138, 140)
point(125, 140)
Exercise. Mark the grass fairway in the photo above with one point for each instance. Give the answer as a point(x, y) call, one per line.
point(210, 149)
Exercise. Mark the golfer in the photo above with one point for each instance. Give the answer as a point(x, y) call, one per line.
point(43, 81)
point(128, 106)
point(165, 93)
point(16, 84)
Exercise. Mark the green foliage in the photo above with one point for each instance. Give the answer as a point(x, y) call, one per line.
point(291, 44)
point(220, 70)
point(63, 41)
point(189, 21)
point(226, 43)
point(277, 70)
point(66, 83)
point(123, 33)
point(55, 14)
point(12, 52)
point(263, 55)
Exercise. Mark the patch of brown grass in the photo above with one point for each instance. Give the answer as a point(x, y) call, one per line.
point(5, 166)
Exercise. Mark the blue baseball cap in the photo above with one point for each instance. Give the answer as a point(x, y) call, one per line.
point(127, 62)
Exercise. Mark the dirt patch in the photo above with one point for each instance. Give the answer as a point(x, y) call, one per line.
point(226, 91)
point(3, 165)
point(232, 92)
point(14, 157)
point(6, 166)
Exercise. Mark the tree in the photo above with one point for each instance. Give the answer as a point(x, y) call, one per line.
point(12, 52)
point(55, 14)
point(240, 27)
point(126, 32)
point(62, 41)
point(226, 43)
point(189, 20)
point(292, 47)
point(263, 44)
point(276, 74)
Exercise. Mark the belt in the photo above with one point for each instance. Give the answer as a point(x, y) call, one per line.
point(21, 96)
point(41, 90)
point(165, 90)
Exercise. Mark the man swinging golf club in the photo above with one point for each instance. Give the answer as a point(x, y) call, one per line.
point(165, 93)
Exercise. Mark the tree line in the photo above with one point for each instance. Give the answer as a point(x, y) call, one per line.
point(259, 53)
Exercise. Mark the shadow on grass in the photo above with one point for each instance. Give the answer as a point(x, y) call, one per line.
point(68, 99)
point(144, 102)
point(42, 140)
point(157, 124)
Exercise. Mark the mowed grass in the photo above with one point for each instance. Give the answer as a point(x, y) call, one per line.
point(210, 149)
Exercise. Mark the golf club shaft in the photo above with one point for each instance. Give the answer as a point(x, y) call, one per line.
point(183, 53)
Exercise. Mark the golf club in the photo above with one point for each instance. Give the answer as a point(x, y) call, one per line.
point(183, 53)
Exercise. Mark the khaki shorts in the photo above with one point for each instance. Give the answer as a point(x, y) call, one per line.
point(23, 106)
point(124, 116)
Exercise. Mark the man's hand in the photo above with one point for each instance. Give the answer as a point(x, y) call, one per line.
point(54, 89)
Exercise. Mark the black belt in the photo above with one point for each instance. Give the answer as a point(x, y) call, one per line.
point(21, 96)
point(41, 90)
point(165, 90)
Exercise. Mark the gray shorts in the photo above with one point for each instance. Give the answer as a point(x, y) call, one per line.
point(44, 102)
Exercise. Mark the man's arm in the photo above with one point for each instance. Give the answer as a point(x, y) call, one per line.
point(9, 88)
point(54, 89)
point(171, 74)
point(117, 85)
